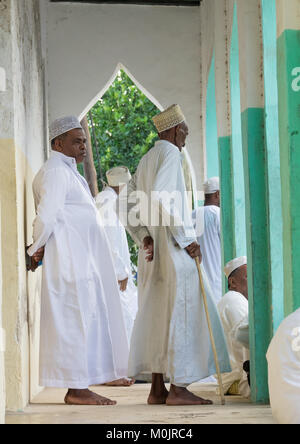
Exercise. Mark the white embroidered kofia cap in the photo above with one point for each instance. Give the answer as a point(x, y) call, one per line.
point(62, 126)
point(117, 176)
point(211, 185)
point(234, 264)
point(169, 118)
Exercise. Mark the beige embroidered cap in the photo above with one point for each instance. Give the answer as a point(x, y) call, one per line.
point(169, 118)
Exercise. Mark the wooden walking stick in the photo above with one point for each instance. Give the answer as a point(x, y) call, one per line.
point(211, 332)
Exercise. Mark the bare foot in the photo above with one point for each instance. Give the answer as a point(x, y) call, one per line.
point(86, 397)
point(123, 382)
point(158, 398)
point(181, 396)
point(158, 393)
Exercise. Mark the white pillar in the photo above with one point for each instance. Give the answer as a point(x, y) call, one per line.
point(222, 28)
point(2, 333)
point(2, 342)
point(2, 80)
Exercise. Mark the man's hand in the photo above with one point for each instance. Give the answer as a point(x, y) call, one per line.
point(123, 284)
point(149, 248)
point(36, 258)
point(194, 251)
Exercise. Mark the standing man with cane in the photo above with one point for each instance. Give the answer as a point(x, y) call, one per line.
point(170, 335)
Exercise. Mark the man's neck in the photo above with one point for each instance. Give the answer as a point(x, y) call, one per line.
point(208, 203)
point(170, 140)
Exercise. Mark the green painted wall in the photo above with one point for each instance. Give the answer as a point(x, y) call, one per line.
point(237, 149)
point(288, 71)
point(254, 153)
point(212, 161)
point(273, 160)
point(227, 207)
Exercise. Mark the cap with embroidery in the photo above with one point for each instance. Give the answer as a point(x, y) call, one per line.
point(62, 126)
point(169, 118)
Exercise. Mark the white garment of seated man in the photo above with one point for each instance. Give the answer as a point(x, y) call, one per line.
point(233, 309)
point(284, 371)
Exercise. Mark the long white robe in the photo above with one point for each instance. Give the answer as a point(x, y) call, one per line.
point(233, 309)
point(106, 203)
point(83, 337)
point(207, 223)
point(283, 358)
point(170, 334)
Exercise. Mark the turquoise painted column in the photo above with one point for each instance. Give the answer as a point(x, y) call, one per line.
point(236, 143)
point(222, 82)
point(273, 160)
point(256, 192)
point(288, 70)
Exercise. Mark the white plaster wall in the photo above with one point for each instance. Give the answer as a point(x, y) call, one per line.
point(2, 334)
point(22, 145)
point(31, 148)
point(2, 343)
point(160, 46)
point(6, 119)
point(2, 79)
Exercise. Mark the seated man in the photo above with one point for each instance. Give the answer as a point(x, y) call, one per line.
point(284, 371)
point(233, 310)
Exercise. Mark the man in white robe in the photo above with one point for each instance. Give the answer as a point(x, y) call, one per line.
point(170, 335)
point(233, 309)
point(83, 338)
point(106, 202)
point(283, 358)
point(207, 224)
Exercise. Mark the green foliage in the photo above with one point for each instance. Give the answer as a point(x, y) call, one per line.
point(122, 125)
point(123, 129)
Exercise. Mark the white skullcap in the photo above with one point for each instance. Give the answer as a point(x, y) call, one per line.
point(211, 185)
point(234, 264)
point(169, 118)
point(62, 126)
point(117, 176)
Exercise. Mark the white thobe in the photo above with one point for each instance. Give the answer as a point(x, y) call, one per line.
point(106, 202)
point(233, 309)
point(170, 334)
point(80, 344)
point(207, 224)
point(283, 358)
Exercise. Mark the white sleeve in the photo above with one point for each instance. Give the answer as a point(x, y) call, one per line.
point(241, 332)
point(49, 208)
point(235, 314)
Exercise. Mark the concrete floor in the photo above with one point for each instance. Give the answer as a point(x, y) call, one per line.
point(48, 408)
